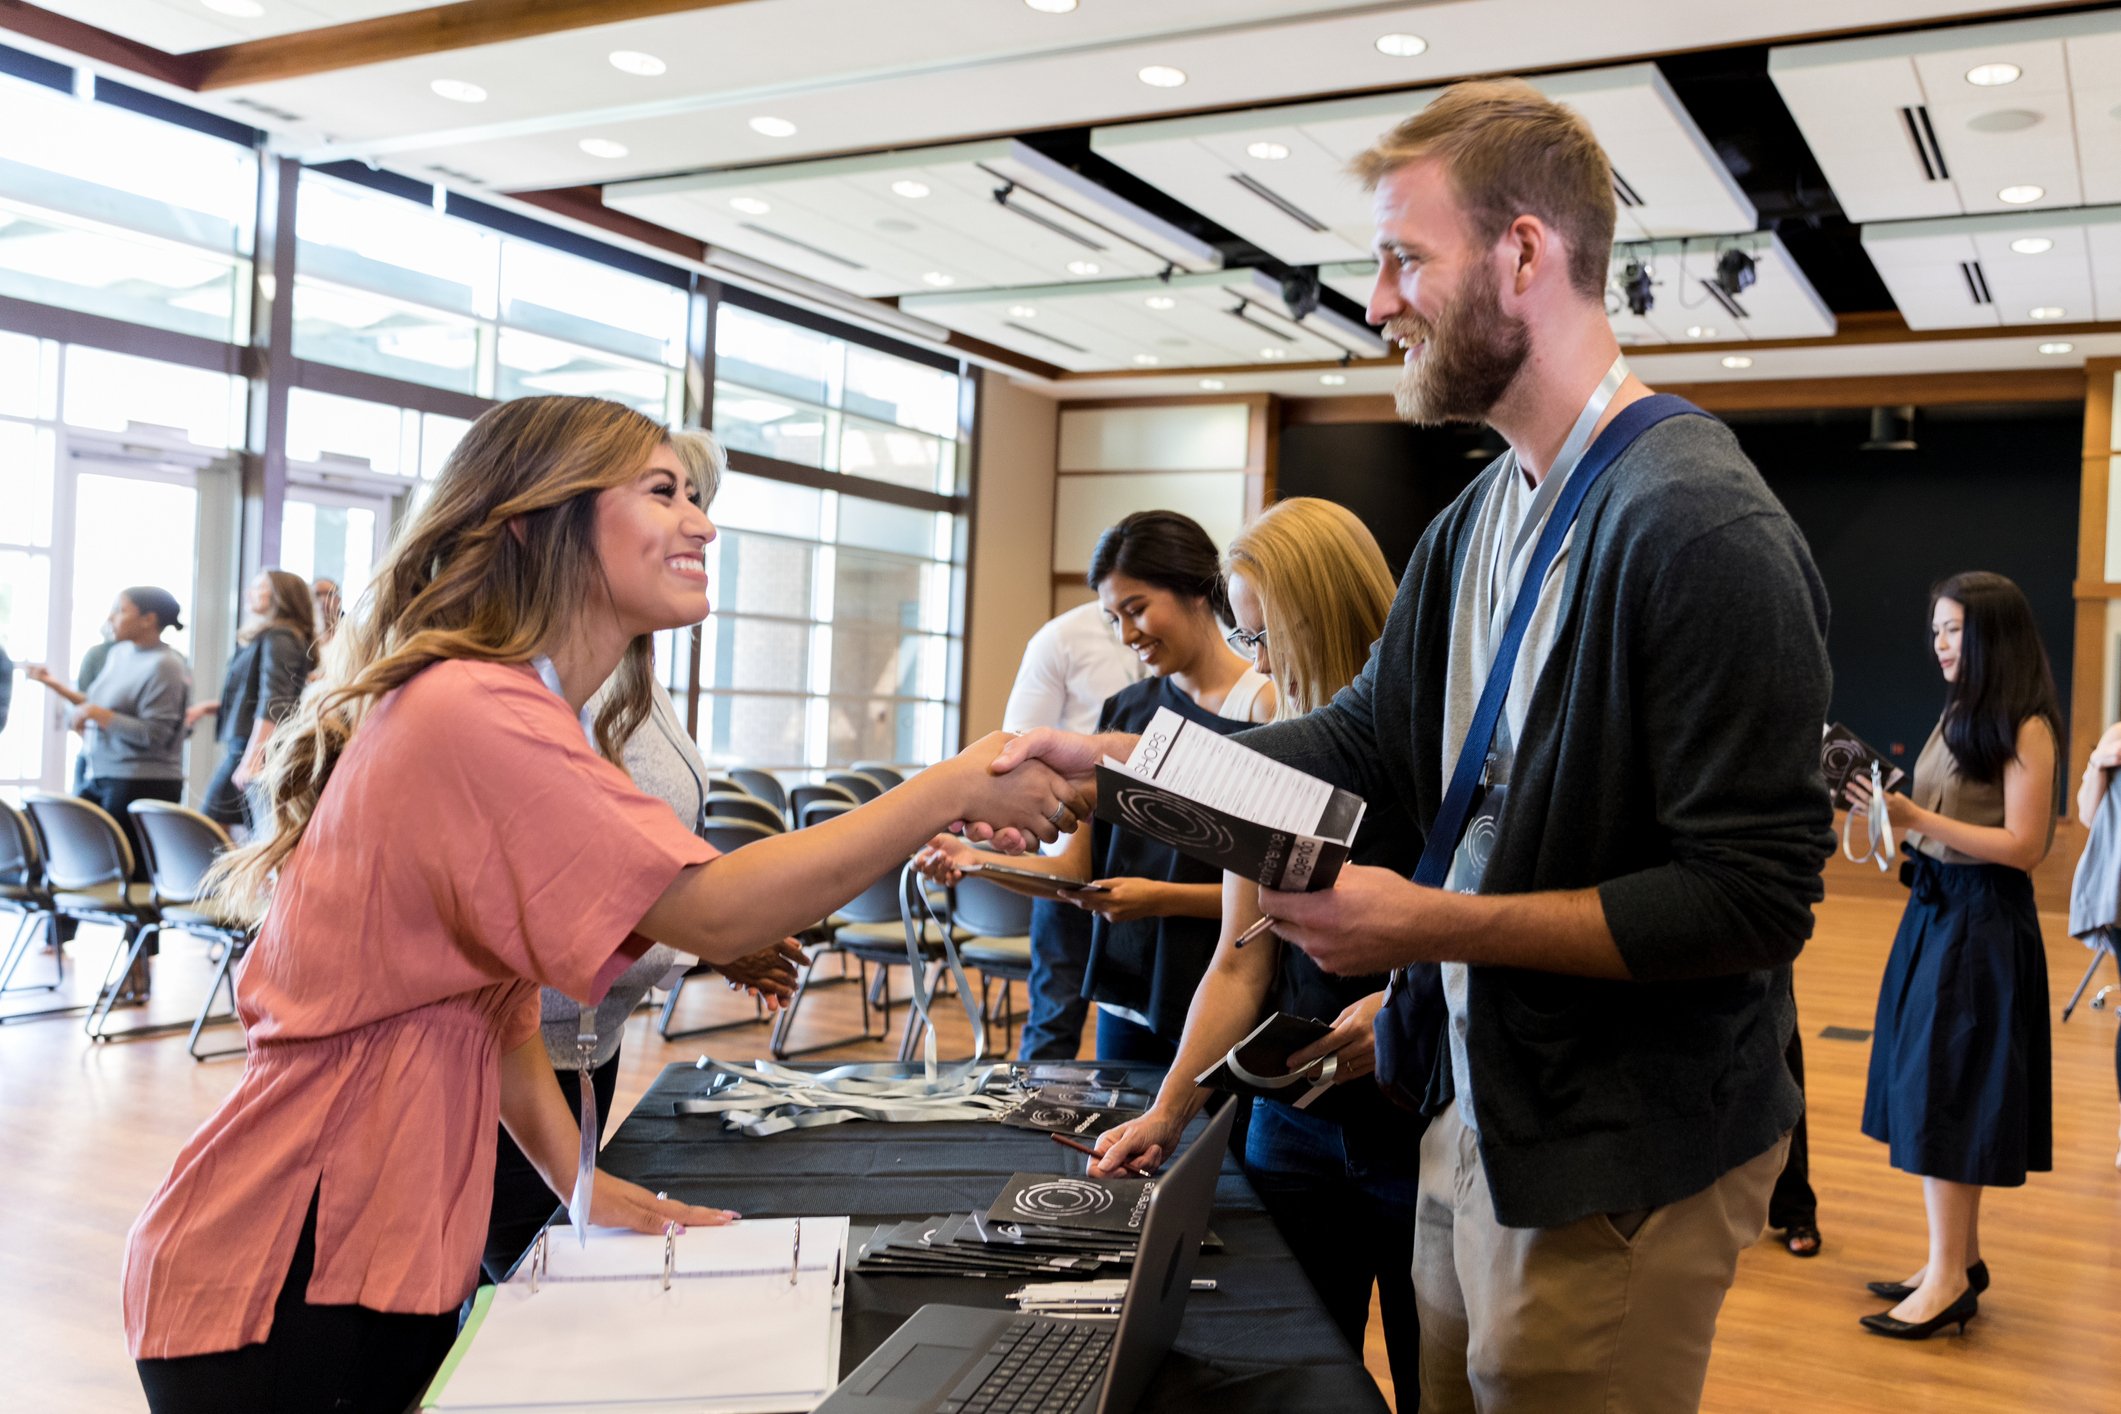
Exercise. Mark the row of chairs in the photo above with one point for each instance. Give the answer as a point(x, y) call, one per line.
point(66, 858)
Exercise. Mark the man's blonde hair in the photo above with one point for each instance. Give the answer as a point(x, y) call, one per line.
point(1510, 151)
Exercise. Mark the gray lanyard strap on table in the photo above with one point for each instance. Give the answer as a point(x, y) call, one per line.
point(763, 1098)
point(585, 1046)
point(917, 913)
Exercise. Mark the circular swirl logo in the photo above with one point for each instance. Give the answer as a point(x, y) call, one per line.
point(1063, 1198)
point(1174, 820)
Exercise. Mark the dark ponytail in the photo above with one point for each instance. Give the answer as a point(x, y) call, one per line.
point(2003, 677)
point(1167, 550)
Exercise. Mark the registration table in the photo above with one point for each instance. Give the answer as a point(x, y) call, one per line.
point(1259, 1342)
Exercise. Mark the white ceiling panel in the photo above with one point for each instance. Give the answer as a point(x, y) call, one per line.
point(181, 26)
point(971, 216)
point(1211, 320)
point(1278, 176)
point(1780, 304)
point(1963, 272)
point(1353, 278)
point(1903, 131)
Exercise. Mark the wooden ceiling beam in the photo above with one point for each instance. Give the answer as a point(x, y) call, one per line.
point(463, 25)
point(98, 46)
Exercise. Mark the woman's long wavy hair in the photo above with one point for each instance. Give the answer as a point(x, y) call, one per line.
point(497, 566)
point(291, 608)
point(1324, 590)
point(2003, 676)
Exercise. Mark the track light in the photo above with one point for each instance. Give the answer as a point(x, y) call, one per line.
point(1734, 271)
point(1635, 288)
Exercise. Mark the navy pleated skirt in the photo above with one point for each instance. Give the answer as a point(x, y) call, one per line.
point(1961, 1085)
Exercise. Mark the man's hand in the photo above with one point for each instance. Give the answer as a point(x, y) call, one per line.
point(770, 974)
point(1067, 754)
point(1367, 922)
point(1353, 1040)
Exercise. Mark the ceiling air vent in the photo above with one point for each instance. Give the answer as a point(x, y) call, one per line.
point(1924, 137)
point(1261, 320)
point(819, 251)
point(266, 108)
point(1976, 281)
point(1279, 202)
point(1624, 191)
point(1042, 334)
point(1725, 299)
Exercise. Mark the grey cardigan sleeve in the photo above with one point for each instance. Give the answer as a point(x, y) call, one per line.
point(283, 671)
point(156, 723)
point(1732, 689)
point(1336, 743)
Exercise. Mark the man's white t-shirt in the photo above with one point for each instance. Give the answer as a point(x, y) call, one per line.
point(1072, 664)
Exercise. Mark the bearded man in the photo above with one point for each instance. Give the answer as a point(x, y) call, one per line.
point(1611, 1105)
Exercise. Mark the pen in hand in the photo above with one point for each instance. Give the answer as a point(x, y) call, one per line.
point(1252, 932)
point(1082, 1148)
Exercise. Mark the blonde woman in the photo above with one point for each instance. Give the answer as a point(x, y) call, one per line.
point(265, 678)
point(1309, 592)
point(448, 831)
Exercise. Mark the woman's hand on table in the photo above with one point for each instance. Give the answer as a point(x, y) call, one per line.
point(1139, 1146)
point(770, 974)
point(1352, 1041)
point(618, 1202)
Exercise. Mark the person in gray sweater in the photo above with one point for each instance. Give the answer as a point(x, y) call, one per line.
point(1611, 1105)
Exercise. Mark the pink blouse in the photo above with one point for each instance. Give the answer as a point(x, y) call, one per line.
point(469, 848)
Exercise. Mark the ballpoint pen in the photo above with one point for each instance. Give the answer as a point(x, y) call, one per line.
point(1252, 932)
point(796, 1259)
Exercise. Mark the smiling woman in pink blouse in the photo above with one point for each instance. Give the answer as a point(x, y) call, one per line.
point(448, 834)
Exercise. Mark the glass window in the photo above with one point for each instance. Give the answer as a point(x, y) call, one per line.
point(350, 328)
point(891, 390)
point(347, 235)
point(531, 364)
point(773, 426)
point(551, 292)
point(323, 426)
point(115, 391)
point(26, 463)
point(439, 435)
point(115, 213)
point(25, 627)
point(763, 353)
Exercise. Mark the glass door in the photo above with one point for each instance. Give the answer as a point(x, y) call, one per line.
point(335, 534)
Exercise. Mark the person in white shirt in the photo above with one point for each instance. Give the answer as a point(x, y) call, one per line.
point(1071, 665)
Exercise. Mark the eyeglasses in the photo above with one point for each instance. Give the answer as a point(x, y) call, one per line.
point(1248, 644)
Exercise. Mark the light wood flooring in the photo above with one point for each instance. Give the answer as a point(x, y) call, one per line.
point(87, 1131)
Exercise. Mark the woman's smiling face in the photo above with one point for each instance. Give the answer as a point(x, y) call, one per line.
point(652, 540)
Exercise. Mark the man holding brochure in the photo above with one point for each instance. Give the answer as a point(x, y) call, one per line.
point(1598, 693)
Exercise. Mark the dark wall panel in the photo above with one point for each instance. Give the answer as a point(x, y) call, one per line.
point(1395, 477)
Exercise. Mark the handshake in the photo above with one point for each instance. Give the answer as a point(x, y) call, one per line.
point(1030, 788)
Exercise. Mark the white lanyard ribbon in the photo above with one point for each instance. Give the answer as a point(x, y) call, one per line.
point(585, 1046)
point(1879, 846)
point(766, 1098)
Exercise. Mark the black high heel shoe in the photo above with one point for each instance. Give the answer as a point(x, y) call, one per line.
point(1976, 1280)
point(1958, 1313)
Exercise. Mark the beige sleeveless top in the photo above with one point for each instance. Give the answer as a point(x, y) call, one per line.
point(1938, 786)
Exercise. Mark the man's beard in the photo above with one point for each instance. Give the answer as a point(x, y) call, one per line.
point(1472, 354)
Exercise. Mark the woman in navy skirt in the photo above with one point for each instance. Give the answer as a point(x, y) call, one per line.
point(1959, 1082)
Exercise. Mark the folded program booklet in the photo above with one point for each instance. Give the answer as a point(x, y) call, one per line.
point(1227, 805)
point(1259, 1064)
point(1844, 756)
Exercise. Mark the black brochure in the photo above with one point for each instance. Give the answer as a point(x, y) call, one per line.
point(1259, 1064)
point(1844, 756)
point(1074, 1204)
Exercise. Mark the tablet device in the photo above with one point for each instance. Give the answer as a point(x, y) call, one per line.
point(1031, 878)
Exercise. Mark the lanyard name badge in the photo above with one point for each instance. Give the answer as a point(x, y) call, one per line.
point(1880, 848)
point(585, 1045)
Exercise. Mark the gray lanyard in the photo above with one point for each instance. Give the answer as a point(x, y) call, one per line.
point(585, 1046)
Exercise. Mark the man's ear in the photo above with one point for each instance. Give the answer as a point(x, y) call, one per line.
point(1532, 246)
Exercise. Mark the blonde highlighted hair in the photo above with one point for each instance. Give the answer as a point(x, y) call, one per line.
point(1324, 591)
point(291, 608)
point(1510, 152)
point(497, 566)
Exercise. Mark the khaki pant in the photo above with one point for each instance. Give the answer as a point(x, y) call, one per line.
point(1607, 1314)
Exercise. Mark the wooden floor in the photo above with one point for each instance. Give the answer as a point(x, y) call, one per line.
point(87, 1131)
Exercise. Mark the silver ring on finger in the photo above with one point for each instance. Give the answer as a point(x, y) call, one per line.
point(1059, 813)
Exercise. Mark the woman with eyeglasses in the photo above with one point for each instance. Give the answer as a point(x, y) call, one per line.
point(1159, 579)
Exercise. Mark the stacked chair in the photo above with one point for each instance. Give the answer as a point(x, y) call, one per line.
point(27, 895)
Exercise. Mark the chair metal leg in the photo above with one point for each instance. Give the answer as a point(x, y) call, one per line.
point(224, 974)
point(2083, 982)
point(670, 1006)
point(777, 1044)
point(16, 955)
point(98, 1023)
point(18, 950)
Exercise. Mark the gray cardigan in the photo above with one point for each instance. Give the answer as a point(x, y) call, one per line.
point(1670, 758)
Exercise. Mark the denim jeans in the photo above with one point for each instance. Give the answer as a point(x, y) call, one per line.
point(1060, 949)
point(1345, 1202)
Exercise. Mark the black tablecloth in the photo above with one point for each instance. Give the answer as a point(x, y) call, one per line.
point(1259, 1342)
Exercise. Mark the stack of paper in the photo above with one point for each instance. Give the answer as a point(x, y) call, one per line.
point(747, 1322)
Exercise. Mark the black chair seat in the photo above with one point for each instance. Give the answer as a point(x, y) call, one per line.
point(113, 899)
point(996, 954)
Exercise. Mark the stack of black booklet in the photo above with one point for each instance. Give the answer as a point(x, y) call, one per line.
point(1044, 1225)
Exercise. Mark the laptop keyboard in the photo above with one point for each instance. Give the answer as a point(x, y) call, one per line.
point(1046, 1368)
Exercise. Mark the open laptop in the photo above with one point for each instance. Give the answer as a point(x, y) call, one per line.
point(974, 1360)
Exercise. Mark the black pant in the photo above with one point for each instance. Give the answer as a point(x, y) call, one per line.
point(522, 1201)
point(1793, 1204)
point(316, 1360)
point(225, 804)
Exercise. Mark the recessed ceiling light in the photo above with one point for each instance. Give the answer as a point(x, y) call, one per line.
point(2048, 311)
point(938, 279)
point(1402, 46)
point(1082, 267)
point(1737, 361)
point(911, 190)
point(1700, 331)
point(2020, 195)
point(241, 9)
point(1160, 302)
point(2059, 346)
point(1022, 311)
point(602, 147)
point(1268, 151)
point(2032, 245)
point(1162, 76)
point(1051, 7)
point(458, 91)
point(773, 127)
point(750, 205)
point(1993, 75)
point(633, 61)
point(1213, 385)
point(1146, 360)
point(1332, 380)
point(1273, 353)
